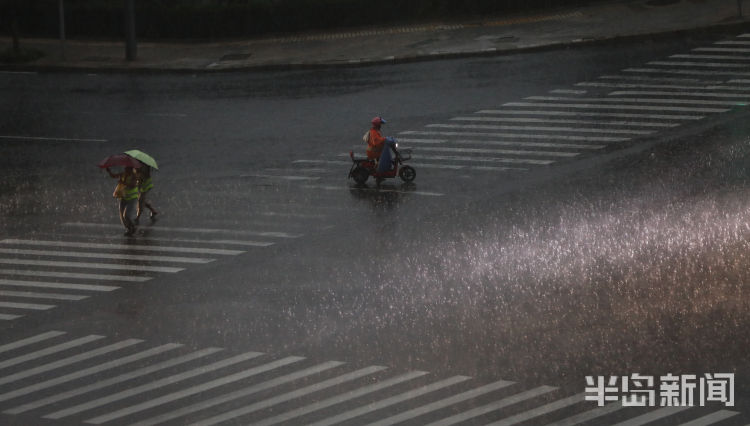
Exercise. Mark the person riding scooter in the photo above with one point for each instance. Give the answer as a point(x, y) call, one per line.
point(375, 140)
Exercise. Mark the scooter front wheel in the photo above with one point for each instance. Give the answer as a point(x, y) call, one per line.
point(360, 175)
point(407, 173)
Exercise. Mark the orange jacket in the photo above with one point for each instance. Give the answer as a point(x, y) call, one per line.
point(375, 144)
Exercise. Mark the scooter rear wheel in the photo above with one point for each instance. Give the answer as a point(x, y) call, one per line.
point(360, 175)
point(407, 173)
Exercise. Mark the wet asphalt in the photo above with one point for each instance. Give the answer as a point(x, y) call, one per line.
point(628, 259)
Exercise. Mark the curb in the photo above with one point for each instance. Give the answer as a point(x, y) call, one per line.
point(393, 60)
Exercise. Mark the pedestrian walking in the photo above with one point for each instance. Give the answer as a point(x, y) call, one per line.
point(145, 185)
point(127, 194)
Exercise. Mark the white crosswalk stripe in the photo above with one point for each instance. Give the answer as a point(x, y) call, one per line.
point(445, 402)
point(685, 72)
point(89, 265)
point(151, 386)
point(541, 128)
point(540, 120)
point(594, 114)
point(50, 375)
point(539, 411)
point(99, 255)
point(616, 107)
point(711, 418)
point(194, 390)
point(30, 340)
point(524, 144)
point(588, 415)
point(652, 416)
point(163, 250)
point(289, 396)
point(577, 138)
point(636, 100)
point(56, 285)
point(414, 393)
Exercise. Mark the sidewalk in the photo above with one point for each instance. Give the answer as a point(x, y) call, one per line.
point(618, 19)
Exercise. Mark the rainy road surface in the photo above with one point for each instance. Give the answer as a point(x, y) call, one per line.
point(575, 213)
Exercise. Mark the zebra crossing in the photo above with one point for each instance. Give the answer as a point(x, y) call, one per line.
point(592, 116)
point(96, 379)
point(38, 274)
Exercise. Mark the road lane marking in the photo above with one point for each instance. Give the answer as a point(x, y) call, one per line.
point(192, 408)
point(712, 418)
point(499, 151)
point(540, 128)
point(227, 242)
point(665, 86)
point(87, 265)
point(595, 114)
point(499, 143)
point(396, 399)
point(569, 91)
point(637, 100)
point(696, 94)
point(718, 57)
point(30, 340)
point(684, 72)
point(112, 381)
point(66, 286)
point(55, 274)
point(35, 295)
point(540, 411)
point(100, 255)
point(316, 387)
point(42, 138)
point(86, 406)
point(542, 120)
point(734, 42)
point(67, 361)
point(487, 159)
point(722, 49)
point(107, 246)
point(698, 64)
point(445, 402)
point(578, 138)
point(9, 317)
point(164, 399)
point(49, 351)
point(28, 306)
point(681, 80)
point(615, 107)
point(588, 415)
point(317, 406)
point(494, 406)
point(87, 372)
point(419, 165)
point(652, 416)
point(271, 234)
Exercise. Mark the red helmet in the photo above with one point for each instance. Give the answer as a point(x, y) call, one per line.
point(377, 121)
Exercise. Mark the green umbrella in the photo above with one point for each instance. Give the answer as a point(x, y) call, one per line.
point(143, 158)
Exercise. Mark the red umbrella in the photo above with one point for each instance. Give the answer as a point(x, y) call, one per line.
point(120, 160)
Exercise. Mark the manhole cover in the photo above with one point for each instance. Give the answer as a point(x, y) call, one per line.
point(235, 57)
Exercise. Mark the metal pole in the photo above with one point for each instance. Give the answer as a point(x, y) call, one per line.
point(739, 8)
point(62, 28)
point(131, 48)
